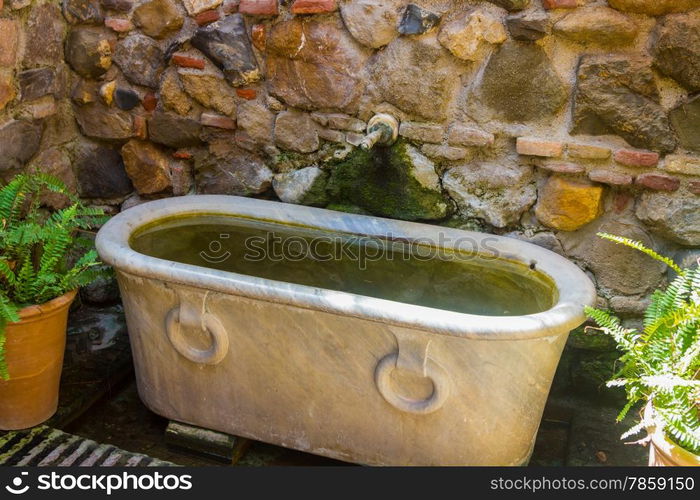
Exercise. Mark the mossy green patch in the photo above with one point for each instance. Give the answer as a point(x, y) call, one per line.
point(382, 182)
point(591, 339)
point(351, 209)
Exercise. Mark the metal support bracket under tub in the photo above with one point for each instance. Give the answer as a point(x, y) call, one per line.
point(412, 356)
point(186, 317)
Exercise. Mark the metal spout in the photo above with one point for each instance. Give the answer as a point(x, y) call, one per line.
point(382, 129)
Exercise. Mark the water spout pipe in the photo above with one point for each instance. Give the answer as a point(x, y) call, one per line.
point(382, 129)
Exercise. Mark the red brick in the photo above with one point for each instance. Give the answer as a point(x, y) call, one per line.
point(559, 4)
point(218, 121)
point(259, 7)
point(181, 154)
point(694, 187)
point(230, 6)
point(187, 61)
point(635, 158)
point(563, 167)
point(9, 37)
point(313, 6)
point(612, 178)
point(249, 94)
point(259, 35)
point(206, 17)
point(119, 25)
point(140, 129)
point(658, 182)
point(533, 146)
point(150, 101)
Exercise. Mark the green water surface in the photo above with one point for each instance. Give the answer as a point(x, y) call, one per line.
point(384, 268)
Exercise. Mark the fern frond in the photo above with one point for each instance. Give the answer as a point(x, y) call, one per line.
point(36, 249)
point(639, 246)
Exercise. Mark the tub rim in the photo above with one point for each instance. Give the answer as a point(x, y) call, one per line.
point(574, 288)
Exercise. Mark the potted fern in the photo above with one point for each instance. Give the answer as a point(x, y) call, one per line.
point(43, 261)
point(660, 366)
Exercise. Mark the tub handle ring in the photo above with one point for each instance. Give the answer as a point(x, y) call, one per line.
point(428, 405)
point(219, 339)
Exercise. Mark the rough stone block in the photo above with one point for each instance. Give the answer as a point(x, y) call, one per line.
point(653, 7)
point(9, 38)
point(258, 33)
point(218, 121)
point(462, 135)
point(148, 166)
point(424, 132)
point(194, 7)
point(682, 164)
point(445, 152)
point(588, 151)
point(686, 121)
point(467, 36)
point(7, 88)
point(226, 44)
point(296, 131)
point(119, 25)
point(597, 25)
point(567, 204)
point(35, 83)
point(417, 20)
point(158, 18)
point(528, 27)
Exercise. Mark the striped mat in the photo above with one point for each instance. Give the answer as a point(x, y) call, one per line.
point(44, 446)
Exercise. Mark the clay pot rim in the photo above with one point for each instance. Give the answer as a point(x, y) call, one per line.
point(36, 311)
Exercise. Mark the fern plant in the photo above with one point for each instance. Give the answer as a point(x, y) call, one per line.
point(661, 364)
point(42, 256)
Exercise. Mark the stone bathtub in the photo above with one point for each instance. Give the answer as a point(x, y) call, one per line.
point(426, 346)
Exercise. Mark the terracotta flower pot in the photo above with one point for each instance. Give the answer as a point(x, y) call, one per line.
point(664, 453)
point(34, 354)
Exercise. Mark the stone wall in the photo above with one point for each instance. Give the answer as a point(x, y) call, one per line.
point(546, 120)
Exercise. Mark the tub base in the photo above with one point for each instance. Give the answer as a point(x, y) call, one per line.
point(209, 443)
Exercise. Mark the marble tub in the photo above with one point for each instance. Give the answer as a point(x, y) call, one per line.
point(442, 358)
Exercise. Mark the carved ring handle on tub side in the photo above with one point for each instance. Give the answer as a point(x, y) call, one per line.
point(412, 356)
point(185, 316)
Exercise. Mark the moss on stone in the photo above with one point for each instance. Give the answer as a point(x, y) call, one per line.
point(382, 182)
point(316, 195)
point(351, 209)
point(591, 339)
